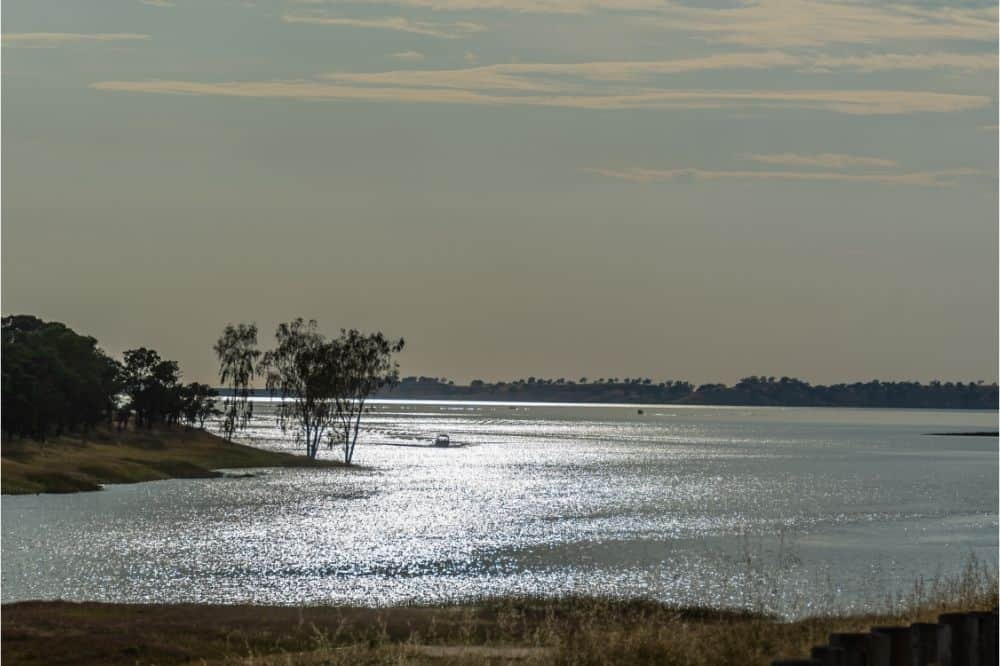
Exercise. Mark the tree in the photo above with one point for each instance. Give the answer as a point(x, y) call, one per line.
point(54, 379)
point(151, 384)
point(238, 357)
point(198, 403)
point(301, 371)
point(362, 365)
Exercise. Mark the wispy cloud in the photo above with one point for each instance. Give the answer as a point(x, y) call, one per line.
point(518, 6)
point(762, 23)
point(412, 56)
point(923, 178)
point(556, 77)
point(778, 23)
point(881, 62)
point(822, 160)
point(856, 102)
point(559, 77)
point(157, 3)
point(455, 30)
point(53, 39)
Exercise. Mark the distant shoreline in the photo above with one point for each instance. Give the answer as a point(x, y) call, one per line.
point(900, 395)
point(83, 463)
point(975, 433)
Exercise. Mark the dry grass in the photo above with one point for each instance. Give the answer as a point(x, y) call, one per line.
point(80, 463)
point(573, 630)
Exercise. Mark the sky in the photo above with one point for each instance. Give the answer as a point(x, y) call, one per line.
point(556, 188)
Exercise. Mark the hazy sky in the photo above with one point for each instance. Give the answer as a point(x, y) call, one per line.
point(518, 187)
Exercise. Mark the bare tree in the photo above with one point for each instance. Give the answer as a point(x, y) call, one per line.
point(238, 365)
point(301, 370)
point(363, 365)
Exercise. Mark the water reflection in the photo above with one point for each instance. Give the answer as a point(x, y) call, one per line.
point(543, 500)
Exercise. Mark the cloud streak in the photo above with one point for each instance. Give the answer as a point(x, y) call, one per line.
point(53, 39)
point(883, 62)
point(760, 23)
point(411, 56)
point(854, 102)
point(690, 175)
point(551, 77)
point(456, 30)
point(812, 23)
point(823, 160)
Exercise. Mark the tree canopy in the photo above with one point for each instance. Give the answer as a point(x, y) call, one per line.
point(56, 380)
point(324, 383)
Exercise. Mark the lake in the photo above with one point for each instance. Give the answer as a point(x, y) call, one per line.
point(795, 510)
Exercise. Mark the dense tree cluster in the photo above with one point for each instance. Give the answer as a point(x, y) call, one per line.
point(754, 390)
point(54, 380)
point(57, 381)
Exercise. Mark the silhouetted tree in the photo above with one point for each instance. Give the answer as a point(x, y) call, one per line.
point(300, 369)
point(54, 379)
point(363, 364)
point(239, 358)
point(198, 403)
point(151, 384)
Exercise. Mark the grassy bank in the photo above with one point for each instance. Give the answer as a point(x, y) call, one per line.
point(562, 631)
point(569, 630)
point(80, 463)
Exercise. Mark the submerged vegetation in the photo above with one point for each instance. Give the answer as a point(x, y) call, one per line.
point(763, 391)
point(529, 630)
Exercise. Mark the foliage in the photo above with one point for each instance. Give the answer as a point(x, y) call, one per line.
point(324, 383)
point(198, 403)
point(299, 370)
point(54, 379)
point(238, 357)
point(363, 365)
point(152, 385)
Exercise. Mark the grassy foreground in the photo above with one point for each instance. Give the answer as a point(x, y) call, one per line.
point(527, 631)
point(79, 463)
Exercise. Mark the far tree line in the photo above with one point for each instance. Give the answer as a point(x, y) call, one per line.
point(753, 390)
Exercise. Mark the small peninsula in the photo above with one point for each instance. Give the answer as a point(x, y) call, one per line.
point(83, 462)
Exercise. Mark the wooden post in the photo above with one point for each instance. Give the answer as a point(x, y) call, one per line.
point(828, 656)
point(960, 646)
point(989, 652)
point(900, 653)
point(923, 642)
point(855, 647)
point(879, 650)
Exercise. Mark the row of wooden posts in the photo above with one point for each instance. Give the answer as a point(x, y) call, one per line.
point(957, 639)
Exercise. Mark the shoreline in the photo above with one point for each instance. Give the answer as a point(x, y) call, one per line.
point(84, 463)
point(497, 630)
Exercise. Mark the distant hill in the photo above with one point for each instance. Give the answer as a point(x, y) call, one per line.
point(750, 391)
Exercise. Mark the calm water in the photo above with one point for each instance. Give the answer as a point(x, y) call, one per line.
point(797, 509)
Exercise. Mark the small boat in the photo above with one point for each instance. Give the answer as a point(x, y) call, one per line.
point(442, 440)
